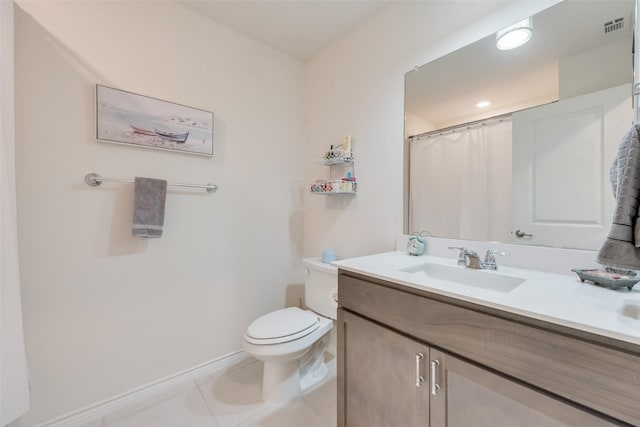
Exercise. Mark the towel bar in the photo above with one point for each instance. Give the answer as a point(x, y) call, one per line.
point(94, 179)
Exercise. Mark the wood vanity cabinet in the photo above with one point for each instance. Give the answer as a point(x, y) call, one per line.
point(381, 373)
point(407, 358)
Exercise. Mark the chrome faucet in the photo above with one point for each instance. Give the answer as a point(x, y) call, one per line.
point(469, 258)
point(472, 259)
point(461, 258)
point(490, 259)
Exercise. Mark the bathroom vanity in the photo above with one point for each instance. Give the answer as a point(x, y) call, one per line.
point(420, 345)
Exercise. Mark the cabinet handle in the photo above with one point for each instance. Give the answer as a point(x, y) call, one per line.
point(419, 378)
point(434, 371)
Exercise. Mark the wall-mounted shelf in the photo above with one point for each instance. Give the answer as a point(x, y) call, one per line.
point(335, 186)
point(336, 157)
point(345, 185)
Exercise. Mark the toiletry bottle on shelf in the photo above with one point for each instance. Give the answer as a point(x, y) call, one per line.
point(346, 146)
point(348, 183)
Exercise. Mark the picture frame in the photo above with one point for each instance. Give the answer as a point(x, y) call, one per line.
point(124, 117)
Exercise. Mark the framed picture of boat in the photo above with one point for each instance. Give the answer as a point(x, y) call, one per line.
point(128, 118)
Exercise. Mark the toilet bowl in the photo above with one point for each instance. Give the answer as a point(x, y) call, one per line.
point(291, 342)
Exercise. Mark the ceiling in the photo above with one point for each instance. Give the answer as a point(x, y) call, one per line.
point(299, 28)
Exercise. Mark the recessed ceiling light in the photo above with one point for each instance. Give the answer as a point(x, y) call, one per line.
point(514, 35)
point(483, 104)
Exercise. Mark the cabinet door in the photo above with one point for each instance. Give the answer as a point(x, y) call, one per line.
point(467, 395)
point(379, 372)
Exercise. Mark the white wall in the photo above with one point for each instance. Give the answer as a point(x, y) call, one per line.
point(595, 69)
point(415, 125)
point(105, 312)
point(14, 387)
point(357, 86)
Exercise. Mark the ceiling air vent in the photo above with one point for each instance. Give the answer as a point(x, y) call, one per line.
point(616, 24)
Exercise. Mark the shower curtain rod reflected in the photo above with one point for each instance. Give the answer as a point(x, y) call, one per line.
point(455, 127)
point(93, 179)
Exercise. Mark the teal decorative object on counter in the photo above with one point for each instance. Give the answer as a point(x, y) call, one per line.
point(417, 244)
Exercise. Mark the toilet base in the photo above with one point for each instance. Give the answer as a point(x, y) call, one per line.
point(292, 367)
point(281, 382)
point(313, 378)
point(284, 381)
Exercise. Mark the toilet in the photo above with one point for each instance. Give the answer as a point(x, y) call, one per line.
point(291, 341)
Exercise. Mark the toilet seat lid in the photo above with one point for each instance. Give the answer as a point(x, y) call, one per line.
point(283, 325)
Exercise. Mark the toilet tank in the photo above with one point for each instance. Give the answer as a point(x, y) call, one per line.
point(321, 287)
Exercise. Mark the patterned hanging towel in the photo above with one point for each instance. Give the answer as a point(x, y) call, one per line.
point(621, 249)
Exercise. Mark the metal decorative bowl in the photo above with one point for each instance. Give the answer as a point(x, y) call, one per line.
point(609, 278)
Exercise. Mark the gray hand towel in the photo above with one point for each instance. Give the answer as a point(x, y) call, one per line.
point(148, 207)
point(621, 249)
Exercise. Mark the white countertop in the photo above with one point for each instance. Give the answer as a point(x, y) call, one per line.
point(560, 299)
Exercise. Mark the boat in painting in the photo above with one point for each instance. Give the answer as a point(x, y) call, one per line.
point(172, 136)
point(142, 131)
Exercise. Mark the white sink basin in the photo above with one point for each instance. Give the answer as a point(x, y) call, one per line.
point(485, 279)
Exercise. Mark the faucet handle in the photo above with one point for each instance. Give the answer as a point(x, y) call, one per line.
point(496, 252)
point(490, 260)
point(461, 257)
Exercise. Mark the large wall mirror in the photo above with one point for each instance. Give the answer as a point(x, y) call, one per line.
point(515, 145)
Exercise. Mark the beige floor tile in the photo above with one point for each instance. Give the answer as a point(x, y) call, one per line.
point(234, 399)
point(138, 406)
point(330, 414)
point(296, 414)
point(187, 409)
point(227, 369)
point(236, 396)
point(323, 394)
point(322, 397)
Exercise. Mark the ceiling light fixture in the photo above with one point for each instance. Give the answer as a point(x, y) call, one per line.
point(514, 35)
point(483, 104)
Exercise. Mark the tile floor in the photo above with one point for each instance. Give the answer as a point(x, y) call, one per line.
point(233, 400)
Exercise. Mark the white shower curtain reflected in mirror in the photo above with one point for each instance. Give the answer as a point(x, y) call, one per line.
point(14, 390)
point(460, 182)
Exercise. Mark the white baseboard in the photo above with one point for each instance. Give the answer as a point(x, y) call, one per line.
point(139, 395)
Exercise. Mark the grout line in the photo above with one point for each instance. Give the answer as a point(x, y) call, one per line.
point(215, 420)
point(313, 408)
point(317, 410)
